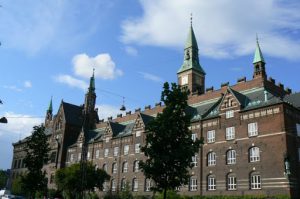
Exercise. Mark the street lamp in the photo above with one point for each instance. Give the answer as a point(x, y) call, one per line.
point(3, 120)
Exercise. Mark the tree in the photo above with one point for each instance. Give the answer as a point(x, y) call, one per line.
point(169, 147)
point(16, 187)
point(3, 178)
point(68, 179)
point(37, 150)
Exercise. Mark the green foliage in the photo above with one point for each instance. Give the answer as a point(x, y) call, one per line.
point(169, 147)
point(37, 150)
point(170, 195)
point(3, 178)
point(68, 179)
point(16, 187)
point(237, 197)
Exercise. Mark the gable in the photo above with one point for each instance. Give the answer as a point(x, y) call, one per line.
point(230, 100)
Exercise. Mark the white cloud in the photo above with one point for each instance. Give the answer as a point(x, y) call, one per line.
point(151, 77)
point(105, 67)
point(105, 111)
point(71, 81)
point(27, 84)
point(20, 124)
point(131, 51)
point(12, 87)
point(224, 28)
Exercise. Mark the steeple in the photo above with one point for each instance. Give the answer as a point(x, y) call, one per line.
point(49, 114)
point(92, 82)
point(259, 62)
point(191, 74)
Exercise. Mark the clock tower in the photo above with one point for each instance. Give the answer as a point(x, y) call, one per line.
point(191, 75)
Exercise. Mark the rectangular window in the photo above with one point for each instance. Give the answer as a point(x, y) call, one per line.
point(231, 183)
point(230, 133)
point(252, 129)
point(88, 155)
point(97, 153)
point(135, 185)
point(113, 185)
point(126, 149)
point(106, 152)
point(194, 160)
point(211, 136)
point(138, 134)
point(194, 136)
point(211, 185)
point(137, 148)
point(116, 151)
point(298, 129)
point(211, 159)
point(229, 114)
point(148, 185)
point(255, 182)
point(193, 184)
point(79, 156)
point(72, 158)
point(254, 154)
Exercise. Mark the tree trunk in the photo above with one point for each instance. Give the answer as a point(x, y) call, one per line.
point(165, 193)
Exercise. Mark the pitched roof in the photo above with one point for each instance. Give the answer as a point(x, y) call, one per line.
point(294, 99)
point(258, 56)
point(73, 114)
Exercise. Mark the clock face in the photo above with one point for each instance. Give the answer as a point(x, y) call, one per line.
point(184, 80)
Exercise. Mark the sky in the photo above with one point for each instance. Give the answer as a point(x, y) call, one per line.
point(50, 47)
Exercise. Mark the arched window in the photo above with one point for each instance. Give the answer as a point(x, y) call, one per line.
point(104, 167)
point(114, 168)
point(136, 166)
point(231, 182)
point(148, 184)
point(211, 159)
point(123, 184)
point(254, 155)
point(255, 180)
point(211, 183)
point(125, 167)
point(231, 157)
point(113, 185)
point(135, 184)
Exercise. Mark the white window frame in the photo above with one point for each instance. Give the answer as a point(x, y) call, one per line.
point(135, 185)
point(72, 158)
point(231, 156)
point(231, 183)
point(254, 154)
point(194, 160)
point(97, 155)
point(104, 186)
point(136, 166)
point(88, 155)
point(211, 159)
point(230, 133)
point(137, 148)
point(138, 133)
point(116, 151)
point(125, 167)
point(193, 184)
point(252, 129)
point(211, 183)
point(126, 149)
point(114, 167)
point(79, 156)
point(113, 185)
point(211, 136)
point(194, 136)
point(229, 114)
point(106, 153)
point(298, 129)
point(255, 182)
point(148, 185)
point(123, 184)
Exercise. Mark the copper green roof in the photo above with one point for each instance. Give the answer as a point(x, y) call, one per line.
point(92, 82)
point(258, 56)
point(191, 57)
point(50, 108)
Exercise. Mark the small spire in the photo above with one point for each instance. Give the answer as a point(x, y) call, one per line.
point(50, 108)
point(258, 56)
point(191, 19)
point(92, 81)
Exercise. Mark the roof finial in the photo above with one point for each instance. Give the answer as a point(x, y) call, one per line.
point(93, 72)
point(191, 19)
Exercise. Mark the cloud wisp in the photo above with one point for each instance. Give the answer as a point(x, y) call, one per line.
point(224, 28)
point(71, 81)
point(151, 77)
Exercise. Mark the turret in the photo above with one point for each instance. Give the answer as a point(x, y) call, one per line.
point(259, 63)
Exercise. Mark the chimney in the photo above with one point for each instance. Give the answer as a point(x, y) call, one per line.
point(242, 79)
point(288, 90)
point(109, 118)
point(128, 113)
point(147, 107)
point(272, 80)
point(224, 84)
point(210, 89)
point(138, 110)
point(158, 104)
point(119, 115)
point(266, 95)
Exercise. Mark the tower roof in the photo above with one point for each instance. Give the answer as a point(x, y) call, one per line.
point(50, 108)
point(191, 57)
point(258, 56)
point(92, 82)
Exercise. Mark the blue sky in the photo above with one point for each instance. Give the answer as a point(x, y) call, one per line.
point(49, 47)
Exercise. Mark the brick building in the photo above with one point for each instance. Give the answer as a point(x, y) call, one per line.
point(251, 132)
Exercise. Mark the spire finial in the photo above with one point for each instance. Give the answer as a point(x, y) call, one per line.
point(191, 18)
point(93, 72)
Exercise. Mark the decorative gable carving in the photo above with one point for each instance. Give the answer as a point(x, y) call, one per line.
point(108, 130)
point(139, 123)
point(229, 101)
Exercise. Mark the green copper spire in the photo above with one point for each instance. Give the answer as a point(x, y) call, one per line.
point(258, 56)
point(50, 109)
point(92, 82)
point(191, 57)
